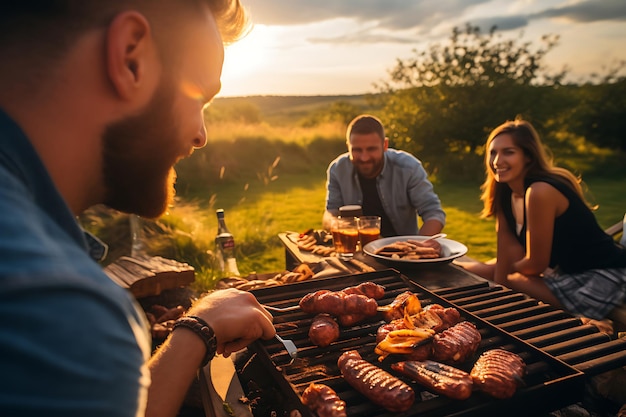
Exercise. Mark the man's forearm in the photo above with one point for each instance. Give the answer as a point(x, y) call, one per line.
point(173, 368)
point(430, 227)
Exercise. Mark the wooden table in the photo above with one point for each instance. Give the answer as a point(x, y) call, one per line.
point(430, 275)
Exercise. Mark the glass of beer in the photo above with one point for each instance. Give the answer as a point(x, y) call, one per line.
point(345, 232)
point(369, 229)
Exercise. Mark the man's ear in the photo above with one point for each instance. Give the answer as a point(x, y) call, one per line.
point(128, 52)
point(385, 144)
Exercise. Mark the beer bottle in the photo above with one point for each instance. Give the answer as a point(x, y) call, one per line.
point(225, 247)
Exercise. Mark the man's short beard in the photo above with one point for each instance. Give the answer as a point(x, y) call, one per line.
point(138, 157)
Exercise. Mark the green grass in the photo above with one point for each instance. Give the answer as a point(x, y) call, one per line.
point(270, 178)
point(257, 214)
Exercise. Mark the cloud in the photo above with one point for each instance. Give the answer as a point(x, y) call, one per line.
point(588, 11)
point(410, 21)
point(419, 15)
point(584, 12)
point(389, 14)
point(365, 36)
point(502, 23)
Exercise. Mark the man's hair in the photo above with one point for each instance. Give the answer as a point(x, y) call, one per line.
point(365, 124)
point(39, 32)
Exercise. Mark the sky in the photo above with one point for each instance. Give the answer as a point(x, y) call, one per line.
point(345, 47)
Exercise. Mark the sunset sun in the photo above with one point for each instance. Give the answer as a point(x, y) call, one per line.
point(244, 58)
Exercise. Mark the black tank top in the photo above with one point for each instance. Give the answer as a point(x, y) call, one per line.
point(372, 206)
point(578, 242)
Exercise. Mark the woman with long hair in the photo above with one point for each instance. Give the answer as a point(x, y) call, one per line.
point(549, 243)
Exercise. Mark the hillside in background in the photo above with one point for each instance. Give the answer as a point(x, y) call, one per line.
point(289, 108)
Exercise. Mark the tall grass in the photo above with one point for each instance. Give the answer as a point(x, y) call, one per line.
point(293, 133)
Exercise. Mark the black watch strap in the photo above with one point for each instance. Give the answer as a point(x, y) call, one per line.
point(204, 331)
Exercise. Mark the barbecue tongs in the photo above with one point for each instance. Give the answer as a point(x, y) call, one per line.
point(289, 346)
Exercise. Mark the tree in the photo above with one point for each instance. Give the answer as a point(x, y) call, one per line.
point(441, 103)
point(602, 120)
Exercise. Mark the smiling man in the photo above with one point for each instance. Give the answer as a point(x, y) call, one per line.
point(385, 182)
point(98, 101)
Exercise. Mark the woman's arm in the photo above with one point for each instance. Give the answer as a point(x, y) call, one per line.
point(509, 250)
point(544, 204)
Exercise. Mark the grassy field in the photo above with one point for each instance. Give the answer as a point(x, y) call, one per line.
point(269, 177)
point(255, 216)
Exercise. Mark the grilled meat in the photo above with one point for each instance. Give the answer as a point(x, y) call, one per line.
point(323, 401)
point(437, 377)
point(404, 303)
point(324, 330)
point(368, 289)
point(338, 303)
point(349, 320)
point(384, 329)
point(377, 385)
point(436, 318)
point(498, 373)
point(448, 315)
point(456, 344)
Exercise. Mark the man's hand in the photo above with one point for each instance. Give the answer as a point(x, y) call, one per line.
point(236, 317)
point(431, 227)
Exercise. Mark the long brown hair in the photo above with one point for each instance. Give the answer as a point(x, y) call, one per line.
point(540, 164)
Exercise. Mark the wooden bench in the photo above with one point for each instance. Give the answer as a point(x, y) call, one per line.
point(146, 276)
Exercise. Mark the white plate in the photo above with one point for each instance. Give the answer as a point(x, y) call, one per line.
point(450, 249)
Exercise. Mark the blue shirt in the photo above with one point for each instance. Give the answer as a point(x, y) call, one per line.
point(403, 186)
point(72, 342)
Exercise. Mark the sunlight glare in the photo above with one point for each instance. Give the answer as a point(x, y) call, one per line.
point(245, 57)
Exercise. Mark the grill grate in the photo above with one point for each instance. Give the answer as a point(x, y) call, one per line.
point(554, 331)
point(504, 318)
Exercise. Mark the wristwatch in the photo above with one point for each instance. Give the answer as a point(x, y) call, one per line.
point(202, 329)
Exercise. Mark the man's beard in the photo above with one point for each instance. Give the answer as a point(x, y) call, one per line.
point(138, 157)
point(370, 170)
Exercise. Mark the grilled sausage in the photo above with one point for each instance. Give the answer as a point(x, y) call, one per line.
point(498, 373)
point(323, 401)
point(348, 320)
point(368, 289)
point(438, 377)
point(377, 385)
point(338, 303)
point(324, 330)
point(449, 315)
point(457, 343)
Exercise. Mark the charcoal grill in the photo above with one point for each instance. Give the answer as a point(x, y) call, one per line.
point(559, 351)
